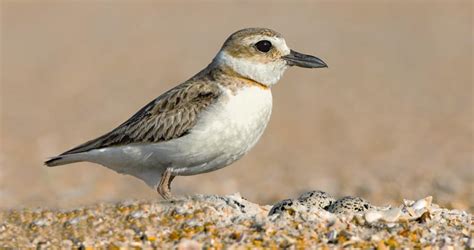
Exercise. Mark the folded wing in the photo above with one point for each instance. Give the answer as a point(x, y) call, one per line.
point(169, 116)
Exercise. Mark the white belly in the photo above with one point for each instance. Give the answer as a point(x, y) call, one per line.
point(224, 133)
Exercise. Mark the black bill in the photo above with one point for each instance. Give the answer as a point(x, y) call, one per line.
point(305, 61)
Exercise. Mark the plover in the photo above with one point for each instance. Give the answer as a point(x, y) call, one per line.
point(204, 123)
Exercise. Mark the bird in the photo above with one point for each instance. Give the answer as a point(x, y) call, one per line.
point(203, 124)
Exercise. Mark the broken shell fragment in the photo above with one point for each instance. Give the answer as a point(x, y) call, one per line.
point(423, 203)
point(389, 215)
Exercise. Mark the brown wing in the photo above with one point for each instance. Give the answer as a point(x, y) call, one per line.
point(169, 116)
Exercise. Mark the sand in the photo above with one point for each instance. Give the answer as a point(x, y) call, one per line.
point(231, 222)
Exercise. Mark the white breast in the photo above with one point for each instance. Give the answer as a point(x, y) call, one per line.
point(230, 128)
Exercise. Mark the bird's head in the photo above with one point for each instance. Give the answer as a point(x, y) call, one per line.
point(261, 55)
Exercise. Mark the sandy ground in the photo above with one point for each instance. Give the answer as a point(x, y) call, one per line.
point(391, 117)
point(231, 222)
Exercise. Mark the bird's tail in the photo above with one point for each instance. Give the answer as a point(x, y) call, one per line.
point(63, 160)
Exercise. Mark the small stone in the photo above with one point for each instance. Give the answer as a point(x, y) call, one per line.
point(316, 199)
point(470, 243)
point(332, 236)
point(66, 244)
point(282, 206)
point(349, 204)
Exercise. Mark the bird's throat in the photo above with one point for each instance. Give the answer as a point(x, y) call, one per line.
point(242, 79)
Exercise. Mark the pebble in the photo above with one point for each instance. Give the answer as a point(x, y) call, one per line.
point(282, 206)
point(349, 204)
point(189, 245)
point(316, 199)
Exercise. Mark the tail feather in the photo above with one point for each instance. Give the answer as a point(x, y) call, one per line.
point(63, 159)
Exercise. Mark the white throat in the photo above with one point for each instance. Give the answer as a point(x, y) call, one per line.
point(264, 73)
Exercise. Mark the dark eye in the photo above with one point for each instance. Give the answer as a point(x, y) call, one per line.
point(264, 45)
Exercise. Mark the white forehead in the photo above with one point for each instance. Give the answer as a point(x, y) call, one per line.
point(278, 42)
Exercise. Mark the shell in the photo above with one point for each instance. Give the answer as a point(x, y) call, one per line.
point(389, 215)
point(373, 216)
point(392, 214)
point(423, 203)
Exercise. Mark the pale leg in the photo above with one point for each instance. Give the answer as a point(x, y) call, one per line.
point(164, 187)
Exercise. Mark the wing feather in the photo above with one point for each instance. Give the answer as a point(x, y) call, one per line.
point(169, 116)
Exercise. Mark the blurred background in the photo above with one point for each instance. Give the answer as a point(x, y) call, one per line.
point(391, 118)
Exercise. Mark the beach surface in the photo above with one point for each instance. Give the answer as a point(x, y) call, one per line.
point(310, 221)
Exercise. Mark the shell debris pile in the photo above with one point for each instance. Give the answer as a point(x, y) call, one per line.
point(315, 219)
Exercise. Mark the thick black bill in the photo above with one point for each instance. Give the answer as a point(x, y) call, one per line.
point(305, 61)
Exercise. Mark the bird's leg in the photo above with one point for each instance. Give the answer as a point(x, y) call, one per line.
point(164, 187)
point(169, 182)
